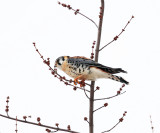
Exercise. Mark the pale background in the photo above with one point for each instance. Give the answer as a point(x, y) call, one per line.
point(57, 31)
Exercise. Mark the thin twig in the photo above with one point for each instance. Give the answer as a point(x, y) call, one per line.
point(86, 119)
point(151, 124)
point(56, 131)
point(98, 108)
point(41, 125)
point(105, 105)
point(110, 97)
point(75, 86)
point(120, 120)
point(16, 125)
point(77, 12)
point(55, 72)
point(86, 94)
point(116, 37)
point(111, 128)
point(7, 106)
point(87, 18)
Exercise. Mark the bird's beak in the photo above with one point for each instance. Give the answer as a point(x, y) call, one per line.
point(55, 64)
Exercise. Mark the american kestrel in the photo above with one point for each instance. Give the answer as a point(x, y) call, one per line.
point(82, 68)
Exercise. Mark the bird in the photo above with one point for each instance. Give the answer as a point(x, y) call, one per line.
point(82, 68)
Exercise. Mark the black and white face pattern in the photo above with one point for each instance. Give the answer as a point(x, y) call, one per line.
point(59, 61)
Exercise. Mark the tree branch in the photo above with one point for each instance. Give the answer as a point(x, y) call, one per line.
point(105, 105)
point(41, 125)
point(86, 17)
point(116, 37)
point(54, 72)
point(120, 120)
point(86, 94)
point(77, 12)
point(16, 125)
point(151, 124)
point(110, 96)
point(7, 106)
point(111, 128)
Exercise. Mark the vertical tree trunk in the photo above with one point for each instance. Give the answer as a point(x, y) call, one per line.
point(91, 109)
point(99, 31)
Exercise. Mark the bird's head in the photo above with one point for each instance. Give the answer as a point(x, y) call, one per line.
point(59, 61)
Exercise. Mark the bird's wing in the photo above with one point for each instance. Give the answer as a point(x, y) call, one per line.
point(88, 62)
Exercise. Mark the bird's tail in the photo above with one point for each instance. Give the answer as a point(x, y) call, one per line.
point(119, 79)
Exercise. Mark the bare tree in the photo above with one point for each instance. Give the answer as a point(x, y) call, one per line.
point(89, 89)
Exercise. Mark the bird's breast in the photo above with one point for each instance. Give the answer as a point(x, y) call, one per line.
point(75, 69)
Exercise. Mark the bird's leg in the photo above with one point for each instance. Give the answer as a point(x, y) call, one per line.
point(76, 80)
point(82, 83)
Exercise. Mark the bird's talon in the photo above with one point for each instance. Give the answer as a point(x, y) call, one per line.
point(82, 83)
point(75, 82)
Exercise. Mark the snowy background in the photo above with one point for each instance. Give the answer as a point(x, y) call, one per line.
point(57, 31)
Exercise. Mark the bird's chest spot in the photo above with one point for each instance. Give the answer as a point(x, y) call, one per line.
point(74, 71)
point(77, 69)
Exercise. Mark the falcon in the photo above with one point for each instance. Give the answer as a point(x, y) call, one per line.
point(82, 68)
